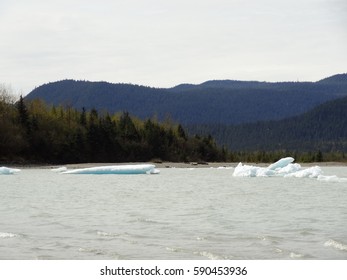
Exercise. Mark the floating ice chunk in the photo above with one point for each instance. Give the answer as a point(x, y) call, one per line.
point(290, 168)
point(252, 171)
point(283, 162)
point(245, 170)
point(265, 172)
point(59, 169)
point(281, 167)
point(153, 171)
point(7, 171)
point(312, 172)
point(116, 169)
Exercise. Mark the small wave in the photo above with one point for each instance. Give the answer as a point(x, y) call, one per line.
point(120, 236)
point(92, 251)
point(336, 245)
point(262, 238)
point(278, 250)
point(149, 221)
point(174, 249)
point(269, 238)
point(333, 179)
point(295, 255)
point(209, 255)
point(8, 235)
point(200, 238)
point(223, 167)
point(107, 234)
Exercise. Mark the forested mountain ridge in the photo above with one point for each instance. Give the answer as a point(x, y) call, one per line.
point(32, 132)
point(323, 128)
point(222, 102)
point(336, 79)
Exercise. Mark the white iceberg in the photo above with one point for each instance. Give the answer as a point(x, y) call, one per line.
point(116, 169)
point(7, 171)
point(284, 168)
point(311, 172)
point(252, 171)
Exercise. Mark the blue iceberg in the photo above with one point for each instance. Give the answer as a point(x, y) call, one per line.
point(116, 169)
point(8, 171)
point(283, 162)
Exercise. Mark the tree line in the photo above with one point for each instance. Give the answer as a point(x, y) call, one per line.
point(37, 133)
point(317, 135)
point(34, 132)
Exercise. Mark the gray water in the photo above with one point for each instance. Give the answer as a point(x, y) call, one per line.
point(178, 214)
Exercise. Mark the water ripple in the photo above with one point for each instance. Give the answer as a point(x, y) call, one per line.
point(336, 245)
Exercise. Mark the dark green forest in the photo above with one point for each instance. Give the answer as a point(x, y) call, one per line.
point(32, 132)
point(320, 131)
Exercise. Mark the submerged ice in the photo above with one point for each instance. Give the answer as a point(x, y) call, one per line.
point(284, 168)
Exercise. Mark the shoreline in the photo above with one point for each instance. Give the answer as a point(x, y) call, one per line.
point(165, 164)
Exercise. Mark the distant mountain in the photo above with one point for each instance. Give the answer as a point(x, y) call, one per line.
point(335, 82)
point(322, 128)
point(212, 102)
point(338, 79)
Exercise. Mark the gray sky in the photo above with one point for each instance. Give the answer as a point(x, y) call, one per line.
point(162, 43)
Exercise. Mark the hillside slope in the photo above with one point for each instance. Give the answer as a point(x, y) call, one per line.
point(323, 128)
point(221, 102)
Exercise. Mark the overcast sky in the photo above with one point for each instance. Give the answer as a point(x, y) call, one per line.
point(162, 43)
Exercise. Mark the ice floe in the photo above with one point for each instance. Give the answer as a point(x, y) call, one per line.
point(284, 168)
point(7, 171)
point(116, 169)
point(59, 169)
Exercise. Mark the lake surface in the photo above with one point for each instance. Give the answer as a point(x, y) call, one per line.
point(200, 213)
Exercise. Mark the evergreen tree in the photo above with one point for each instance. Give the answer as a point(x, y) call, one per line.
point(181, 133)
point(23, 113)
point(83, 117)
